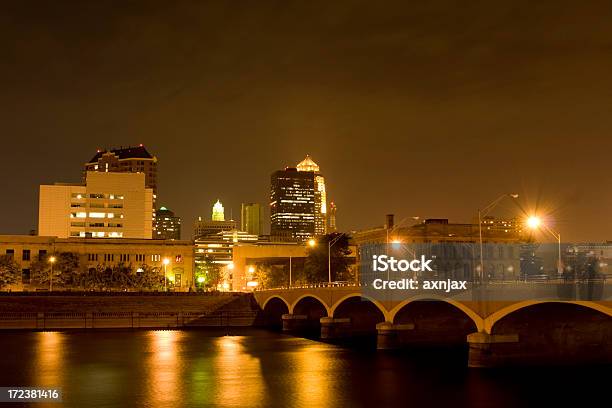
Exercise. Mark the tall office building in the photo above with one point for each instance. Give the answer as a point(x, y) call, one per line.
point(125, 160)
point(292, 205)
point(218, 212)
point(320, 195)
point(204, 228)
point(167, 225)
point(251, 217)
point(131, 159)
point(115, 205)
point(331, 226)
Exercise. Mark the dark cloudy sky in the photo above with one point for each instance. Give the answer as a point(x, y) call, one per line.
point(427, 109)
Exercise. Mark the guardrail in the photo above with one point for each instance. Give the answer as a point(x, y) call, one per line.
point(124, 320)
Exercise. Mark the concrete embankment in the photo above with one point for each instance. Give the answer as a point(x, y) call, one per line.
point(129, 311)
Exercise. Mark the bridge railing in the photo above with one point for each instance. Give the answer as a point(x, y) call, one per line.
point(492, 282)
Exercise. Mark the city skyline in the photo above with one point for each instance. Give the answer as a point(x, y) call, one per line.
point(524, 207)
point(394, 105)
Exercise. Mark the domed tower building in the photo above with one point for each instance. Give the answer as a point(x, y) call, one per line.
point(320, 195)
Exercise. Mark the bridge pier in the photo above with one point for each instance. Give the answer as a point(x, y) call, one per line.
point(293, 323)
point(491, 350)
point(388, 337)
point(335, 328)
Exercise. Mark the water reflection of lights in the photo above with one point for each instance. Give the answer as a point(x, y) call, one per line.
point(49, 356)
point(238, 373)
point(311, 382)
point(163, 366)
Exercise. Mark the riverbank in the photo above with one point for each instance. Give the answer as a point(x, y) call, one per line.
point(125, 311)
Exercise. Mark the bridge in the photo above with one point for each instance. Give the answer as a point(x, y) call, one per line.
point(510, 323)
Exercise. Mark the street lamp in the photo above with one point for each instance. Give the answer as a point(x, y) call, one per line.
point(51, 261)
point(482, 213)
point(330, 243)
point(534, 222)
point(312, 243)
point(166, 261)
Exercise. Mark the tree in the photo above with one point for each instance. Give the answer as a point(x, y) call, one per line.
point(9, 271)
point(210, 271)
point(316, 267)
point(67, 270)
point(148, 278)
point(271, 275)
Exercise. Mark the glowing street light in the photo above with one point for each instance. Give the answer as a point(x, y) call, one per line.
point(534, 223)
point(52, 260)
point(312, 243)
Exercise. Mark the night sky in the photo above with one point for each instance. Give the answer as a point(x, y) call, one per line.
point(430, 109)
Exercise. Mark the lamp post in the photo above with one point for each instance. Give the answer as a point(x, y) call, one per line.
point(51, 261)
point(482, 213)
point(166, 261)
point(330, 243)
point(534, 223)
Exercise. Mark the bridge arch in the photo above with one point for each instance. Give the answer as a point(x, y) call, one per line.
point(265, 303)
point(495, 317)
point(475, 317)
point(376, 303)
point(272, 311)
point(313, 296)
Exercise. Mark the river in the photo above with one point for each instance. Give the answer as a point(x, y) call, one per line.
point(261, 368)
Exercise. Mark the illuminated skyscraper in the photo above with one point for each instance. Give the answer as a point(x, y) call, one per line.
point(331, 226)
point(320, 208)
point(218, 213)
point(292, 205)
point(251, 218)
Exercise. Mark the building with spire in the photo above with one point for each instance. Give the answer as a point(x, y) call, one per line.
point(320, 207)
point(218, 212)
point(217, 224)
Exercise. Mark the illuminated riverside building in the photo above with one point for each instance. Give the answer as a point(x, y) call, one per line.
point(219, 249)
point(103, 252)
point(108, 205)
point(204, 228)
point(292, 205)
point(320, 195)
point(251, 218)
point(166, 225)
